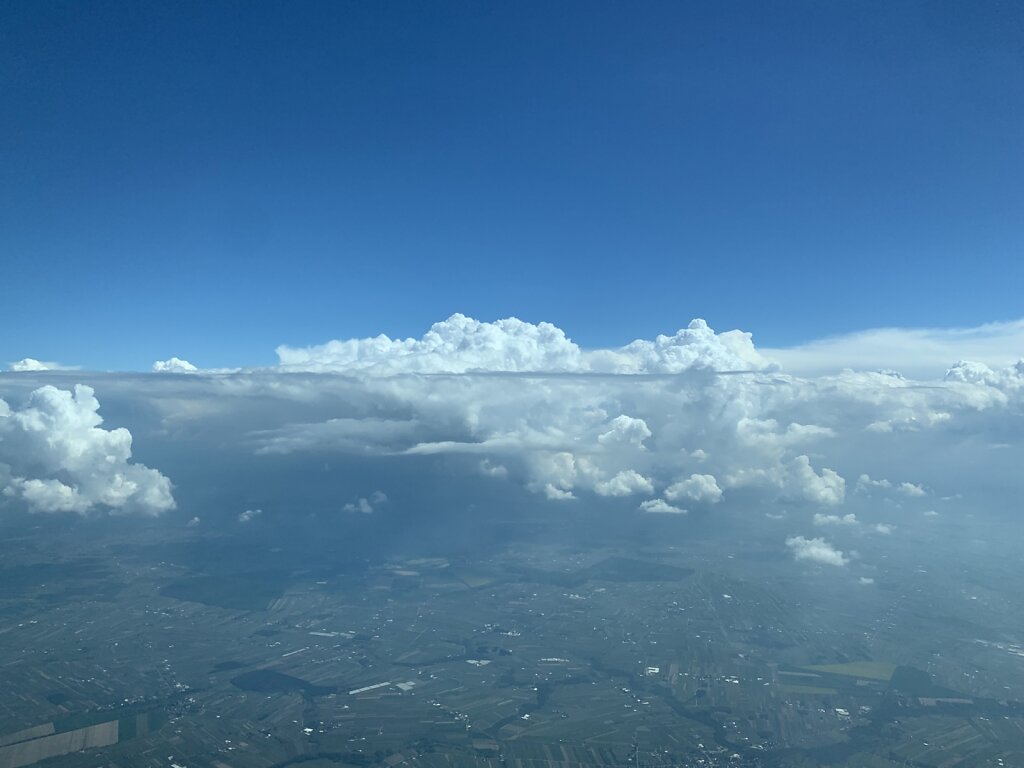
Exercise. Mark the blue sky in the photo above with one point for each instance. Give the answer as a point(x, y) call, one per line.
point(211, 180)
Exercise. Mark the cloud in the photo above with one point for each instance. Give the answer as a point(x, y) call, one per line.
point(796, 480)
point(625, 430)
point(487, 467)
point(865, 482)
point(909, 489)
point(624, 483)
point(816, 551)
point(695, 417)
point(366, 506)
point(249, 515)
point(193, 523)
point(923, 353)
point(30, 364)
point(461, 344)
point(55, 457)
point(174, 365)
point(660, 507)
point(847, 520)
point(700, 488)
point(701, 416)
point(456, 345)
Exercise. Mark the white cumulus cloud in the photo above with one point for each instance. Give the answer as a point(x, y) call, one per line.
point(847, 520)
point(366, 506)
point(624, 483)
point(174, 365)
point(700, 488)
point(816, 551)
point(30, 364)
point(660, 507)
point(461, 344)
point(55, 457)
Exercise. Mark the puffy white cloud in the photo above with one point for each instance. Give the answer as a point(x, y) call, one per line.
point(489, 468)
point(795, 479)
point(912, 490)
point(847, 520)
point(816, 551)
point(174, 365)
point(366, 506)
point(193, 523)
point(700, 488)
point(249, 515)
point(456, 345)
point(625, 430)
point(624, 483)
point(866, 482)
point(461, 344)
point(696, 347)
point(660, 507)
point(55, 457)
point(30, 364)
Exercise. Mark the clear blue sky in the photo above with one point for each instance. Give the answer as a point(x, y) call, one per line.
point(211, 179)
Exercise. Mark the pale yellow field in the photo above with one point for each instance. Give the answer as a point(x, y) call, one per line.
point(808, 689)
point(872, 670)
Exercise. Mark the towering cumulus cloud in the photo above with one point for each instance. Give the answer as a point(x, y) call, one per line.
point(55, 457)
point(461, 344)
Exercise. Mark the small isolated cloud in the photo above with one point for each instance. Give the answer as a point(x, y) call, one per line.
point(30, 364)
point(660, 507)
point(366, 506)
point(816, 551)
point(625, 483)
point(699, 488)
point(55, 457)
point(909, 489)
point(865, 580)
point(883, 528)
point(931, 513)
point(865, 482)
point(848, 520)
point(489, 468)
point(193, 523)
point(174, 365)
point(249, 515)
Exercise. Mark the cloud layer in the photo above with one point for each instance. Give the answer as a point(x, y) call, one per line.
point(697, 421)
